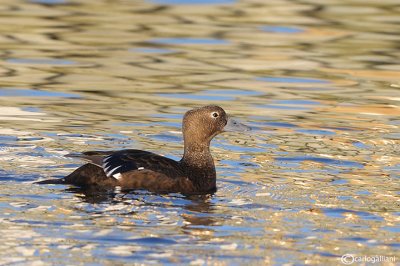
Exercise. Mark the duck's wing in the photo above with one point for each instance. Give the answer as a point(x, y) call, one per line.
point(136, 169)
point(124, 161)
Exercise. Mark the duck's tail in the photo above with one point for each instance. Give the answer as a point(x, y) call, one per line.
point(51, 181)
point(87, 175)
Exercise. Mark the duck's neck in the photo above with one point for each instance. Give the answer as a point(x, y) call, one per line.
point(200, 167)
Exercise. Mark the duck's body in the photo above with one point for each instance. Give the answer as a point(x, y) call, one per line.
point(136, 169)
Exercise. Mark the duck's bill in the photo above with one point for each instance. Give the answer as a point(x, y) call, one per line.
point(234, 125)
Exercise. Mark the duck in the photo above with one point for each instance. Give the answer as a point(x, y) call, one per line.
point(133, 169)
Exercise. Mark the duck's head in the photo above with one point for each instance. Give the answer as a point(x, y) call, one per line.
point(202, 124)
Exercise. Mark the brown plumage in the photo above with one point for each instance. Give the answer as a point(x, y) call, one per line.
point(136, 169)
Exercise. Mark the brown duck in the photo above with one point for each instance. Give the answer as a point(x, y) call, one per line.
point(137, 169)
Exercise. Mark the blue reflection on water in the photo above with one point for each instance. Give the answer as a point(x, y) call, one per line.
point(302, 171)
point(338, 181)
point(297, 102)
point(170, 116)
point(151, 50)
point(292, 80)
point(40, 61)
point(361, 145)
point(197, 97)
point(341, 163)
point(290, 104)
point(281, 29)
point(16, 92)
point(49, 2)
point(393, 229)
point(233, 92)
point(166, 137)
point(208, 41)
point(213, 95)
point(193, 2)
point(339, 213)
point(283, 107)
point(31, 109)
point(316, 132)
point(280, 124)
point(6, 138)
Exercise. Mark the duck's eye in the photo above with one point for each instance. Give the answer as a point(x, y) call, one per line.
point(214, 114)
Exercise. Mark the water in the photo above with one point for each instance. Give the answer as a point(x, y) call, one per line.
point(317, 178)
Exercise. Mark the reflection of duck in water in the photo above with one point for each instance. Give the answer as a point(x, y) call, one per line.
point(197, 211)
point(136, 169)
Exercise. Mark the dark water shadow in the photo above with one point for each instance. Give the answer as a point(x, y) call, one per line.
point(195, 209)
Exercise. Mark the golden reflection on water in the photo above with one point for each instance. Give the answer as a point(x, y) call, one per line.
point(317, 178)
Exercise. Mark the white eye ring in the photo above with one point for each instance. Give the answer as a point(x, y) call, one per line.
point(214, 114)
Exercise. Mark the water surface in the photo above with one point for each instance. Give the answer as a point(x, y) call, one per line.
point(317, 178)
